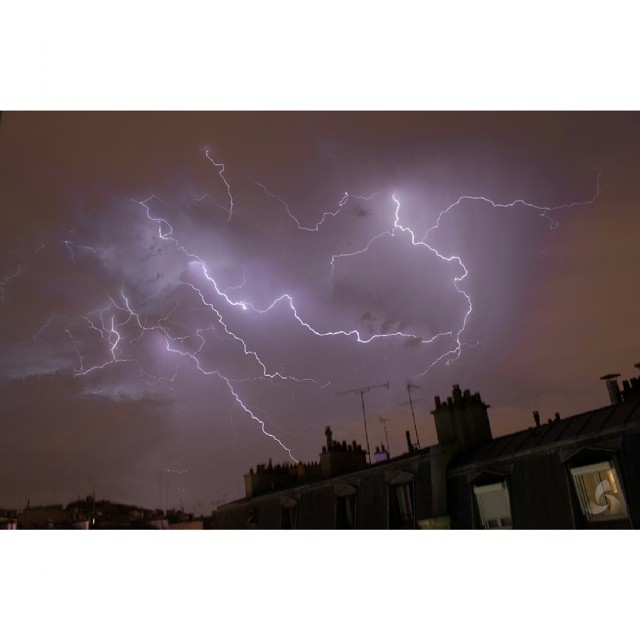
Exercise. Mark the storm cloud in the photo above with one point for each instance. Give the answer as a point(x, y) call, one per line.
point(159, 312)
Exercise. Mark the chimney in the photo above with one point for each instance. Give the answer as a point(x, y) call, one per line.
point(462, 421)
point(409, 443)
point(557, 416)
point(329, 434)
point(536, 417)
point(612, 387)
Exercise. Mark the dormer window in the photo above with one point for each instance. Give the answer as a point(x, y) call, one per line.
point(251, 520)
point(599, 492)
point(493, 505)
point(401, 501)
point(288, 513)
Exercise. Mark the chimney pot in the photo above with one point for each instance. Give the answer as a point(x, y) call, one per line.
point(536, 417)
point(409, 443)
point(329, 434)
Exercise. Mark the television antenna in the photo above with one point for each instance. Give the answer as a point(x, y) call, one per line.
point(409, 387)
point(386, 433)
point(362, 391)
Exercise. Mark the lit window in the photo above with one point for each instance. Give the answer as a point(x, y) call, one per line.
point(599, 492)
point(493, 505)
point(346, 512)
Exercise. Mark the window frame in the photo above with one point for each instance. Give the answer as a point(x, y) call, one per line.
point(395, 487)
point(288, 512)
point(584, 500)
point(490, 487)
point(344, 499)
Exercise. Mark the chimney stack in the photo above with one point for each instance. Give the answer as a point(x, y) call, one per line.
point(612, 387)
point(409, 443)
point(329, 434)
point(462, 421)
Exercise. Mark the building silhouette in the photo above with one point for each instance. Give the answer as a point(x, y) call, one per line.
point(576, 472)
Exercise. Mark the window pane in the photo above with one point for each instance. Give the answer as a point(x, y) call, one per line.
point(405, 502)
point(401, 507)
point(493, 504)
point(288, 517)
point(599, 492)
point(346, 512)
point(349, 509)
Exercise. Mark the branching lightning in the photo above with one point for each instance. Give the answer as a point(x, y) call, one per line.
point(73, 249)
point(327, 214)
point(13, 256)
point(227, 382)
point(220, 167)
point(120, 327)
point(6, 280)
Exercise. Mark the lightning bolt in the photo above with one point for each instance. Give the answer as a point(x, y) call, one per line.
point(73, 248)
point(124, 325)
point(453, 354)
point(227, 382)
point(6, 280)
point(327, 214)
point(220, 167)
point(13, 256)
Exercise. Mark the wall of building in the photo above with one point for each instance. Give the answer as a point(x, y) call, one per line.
point(316, 502)
point(541, 490)
point(629, 459)
point(536, 469)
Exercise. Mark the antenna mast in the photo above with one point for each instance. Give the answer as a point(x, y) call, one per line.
point(386, 433)
point(362, 391)
point(409, 387)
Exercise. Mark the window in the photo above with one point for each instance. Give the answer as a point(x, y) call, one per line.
point(401, 511)
point(251, 520)
point(288, 518)
point(599, 492)
point(288, 513)
point(346, 501)
point(493, 505)
point(346, 512)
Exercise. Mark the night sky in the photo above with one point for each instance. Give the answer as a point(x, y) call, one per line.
point(184, 294)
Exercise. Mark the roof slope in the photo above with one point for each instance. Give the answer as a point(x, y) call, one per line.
point(581, 426)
